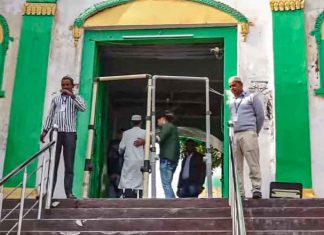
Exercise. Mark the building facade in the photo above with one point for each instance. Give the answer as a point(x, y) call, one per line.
point(276, 46)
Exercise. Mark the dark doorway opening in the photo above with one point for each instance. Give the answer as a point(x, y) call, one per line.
point(185, 99)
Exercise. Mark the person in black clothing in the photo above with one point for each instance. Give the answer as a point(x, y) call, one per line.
point(115, 164)
point(193, 172)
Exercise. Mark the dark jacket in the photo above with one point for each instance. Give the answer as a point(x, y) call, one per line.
point(169, 142)
point(197, 171)
point(114, 159)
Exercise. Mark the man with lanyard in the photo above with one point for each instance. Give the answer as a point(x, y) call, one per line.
point(247, 114)
point(63, 112)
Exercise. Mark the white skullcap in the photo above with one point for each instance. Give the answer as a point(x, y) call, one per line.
point(136, 118)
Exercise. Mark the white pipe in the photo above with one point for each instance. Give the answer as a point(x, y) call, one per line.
point(208, 147)
point(147, 139)
point(40, 203)
point(51, 169)
point(86, 179)
point(153, 140)
point(123, 77)
point(22, 200)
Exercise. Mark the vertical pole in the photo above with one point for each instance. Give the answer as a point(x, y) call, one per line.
point(153, 140)
point(40, 203)
point(86, 179)
point(51, 169)
point(146, 167)
point(208, 147)
point(22, 200)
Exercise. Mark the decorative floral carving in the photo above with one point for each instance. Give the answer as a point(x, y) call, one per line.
point(287, 5)
point(39, 9)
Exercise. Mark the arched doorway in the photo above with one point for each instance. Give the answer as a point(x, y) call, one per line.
point(179, 31)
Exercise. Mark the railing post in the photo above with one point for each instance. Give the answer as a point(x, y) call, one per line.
point(51, 169)
point(40, 202)
point(22, 200)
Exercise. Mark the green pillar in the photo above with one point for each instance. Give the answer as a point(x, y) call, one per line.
point(29, 88)
point(293, 155)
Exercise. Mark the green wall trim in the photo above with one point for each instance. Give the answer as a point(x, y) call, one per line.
point(28, 94)
point(112, 3)
point(317, 32)
point(89, 71)
point(3, 50)
point(293, 155)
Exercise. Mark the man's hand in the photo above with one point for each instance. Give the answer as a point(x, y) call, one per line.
point(139, 142)
point(42, 136)
point(66, 92)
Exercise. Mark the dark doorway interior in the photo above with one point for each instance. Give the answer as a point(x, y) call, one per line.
point(185, 99)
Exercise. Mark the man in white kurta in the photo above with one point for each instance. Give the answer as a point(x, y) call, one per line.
point(131, 180)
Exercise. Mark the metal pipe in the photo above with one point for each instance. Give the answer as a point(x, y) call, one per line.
point(86, 179)
point(124, 77)
point(147, 140)
point(180, 78)
point(40, 204)
point(51, 169)
point(207, 158)
point(208, 147)
point(153, 140)
point(22, 200)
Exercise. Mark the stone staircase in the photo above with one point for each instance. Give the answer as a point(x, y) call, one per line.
point(170, 217)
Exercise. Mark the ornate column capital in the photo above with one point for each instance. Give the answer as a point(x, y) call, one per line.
point(287, 5)
point(39, 9)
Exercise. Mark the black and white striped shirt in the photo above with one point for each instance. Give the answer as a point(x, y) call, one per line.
point(63, 112)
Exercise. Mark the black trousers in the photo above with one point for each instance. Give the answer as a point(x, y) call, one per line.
point(67, 141)
point(132, 193)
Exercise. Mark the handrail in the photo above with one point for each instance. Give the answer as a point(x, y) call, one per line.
point(43, 187)
point(238, 223)
point(25, 163)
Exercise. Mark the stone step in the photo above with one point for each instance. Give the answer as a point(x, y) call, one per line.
point(284, 223)
point(318, 202)
point(126, 224)
point(284, 212)
point(202, 232)
point(131, 203)
point(285, 232)
point(96, 213)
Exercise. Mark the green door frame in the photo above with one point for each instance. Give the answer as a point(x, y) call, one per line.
point(90, 70)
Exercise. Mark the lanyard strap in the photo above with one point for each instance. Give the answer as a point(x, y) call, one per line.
point(237, 106)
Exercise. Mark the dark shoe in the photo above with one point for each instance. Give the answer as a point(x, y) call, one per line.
point(257, 195)
point(71, 196)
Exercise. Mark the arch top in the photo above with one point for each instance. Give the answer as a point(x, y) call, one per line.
point(318, 31)
point(4, 33)
point(120, 13)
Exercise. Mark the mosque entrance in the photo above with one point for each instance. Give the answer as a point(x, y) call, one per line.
point(119, 100)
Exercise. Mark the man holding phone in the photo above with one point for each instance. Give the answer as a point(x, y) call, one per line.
point(63, 112)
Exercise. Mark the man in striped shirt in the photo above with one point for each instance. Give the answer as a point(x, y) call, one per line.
point(63, 113)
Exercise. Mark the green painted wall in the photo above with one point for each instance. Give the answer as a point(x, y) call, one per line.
point(29, 92)
point(293, 157)
point(89, 71)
